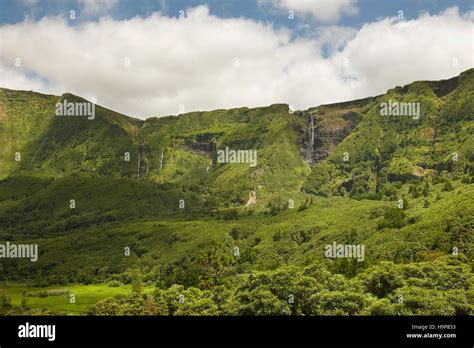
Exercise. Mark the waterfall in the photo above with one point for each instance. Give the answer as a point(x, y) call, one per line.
point(138, 169)
point(161, 159)
point(309, 150)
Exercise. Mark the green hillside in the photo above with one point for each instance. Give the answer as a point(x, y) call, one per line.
point(383, 150)
point(52, 146)
point(173, 219)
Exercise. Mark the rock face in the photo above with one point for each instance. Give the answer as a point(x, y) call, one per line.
point(444, 87)
point(203, 143)
point(326, 128)
point(252, 199)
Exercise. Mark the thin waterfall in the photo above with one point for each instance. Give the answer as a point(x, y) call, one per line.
point(138, 167)
point(161, 159)
point(309, 150)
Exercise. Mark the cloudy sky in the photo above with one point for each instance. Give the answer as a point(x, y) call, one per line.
point(147, 58)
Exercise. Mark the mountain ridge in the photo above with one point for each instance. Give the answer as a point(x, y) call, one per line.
point(182, 149)
point(446, 81)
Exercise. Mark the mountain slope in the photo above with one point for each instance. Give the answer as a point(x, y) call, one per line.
point(350, 146)
point(53, 146)
point(383, 149)
point(400, 185)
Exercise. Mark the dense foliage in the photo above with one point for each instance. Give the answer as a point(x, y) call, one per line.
point(171, 225)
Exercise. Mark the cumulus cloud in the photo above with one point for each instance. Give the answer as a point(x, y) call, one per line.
point(322, 10)
point(150, 66)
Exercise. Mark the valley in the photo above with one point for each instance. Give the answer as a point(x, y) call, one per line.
point(397, 188)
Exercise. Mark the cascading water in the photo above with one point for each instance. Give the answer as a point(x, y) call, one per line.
point(161, 159)
point(309, 150)
point(138, 165)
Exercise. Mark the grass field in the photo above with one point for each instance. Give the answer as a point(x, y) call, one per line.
point(85, 296)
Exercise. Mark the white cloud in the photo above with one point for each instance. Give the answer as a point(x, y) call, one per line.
point(192, 61)
point(94, 7)
point(391, 52)
point(322, 10)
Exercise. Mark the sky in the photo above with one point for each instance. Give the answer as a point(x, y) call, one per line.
point(149, 58)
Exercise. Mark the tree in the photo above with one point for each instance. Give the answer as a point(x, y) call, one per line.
point(448, 186)
point(6, 301)
point(382, 279)
point(24, 300)
point(389, 191)
point(215, 260)
point(198, 306)
point(339, 302)
point(133, 305)
point(136, 281)
point(261, 301)
point(109, 306)
point(393, 218)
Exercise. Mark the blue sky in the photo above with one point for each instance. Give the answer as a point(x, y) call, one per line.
point(14, 11)
point(138, 57)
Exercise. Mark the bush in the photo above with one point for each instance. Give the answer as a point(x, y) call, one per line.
point(114, 284)
point(389, 191)
point(448, 186)
point(393, 218)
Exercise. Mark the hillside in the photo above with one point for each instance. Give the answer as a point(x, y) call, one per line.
point(346, 173)
point(182, 149)
point(52, 146)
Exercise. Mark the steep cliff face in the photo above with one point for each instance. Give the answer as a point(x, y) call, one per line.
point(325, 128)
point(362, 149)
point(203, 143)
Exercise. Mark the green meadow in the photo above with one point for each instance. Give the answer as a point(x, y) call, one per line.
point(41, 300)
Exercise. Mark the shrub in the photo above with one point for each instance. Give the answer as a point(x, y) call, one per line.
point(448, 186)
point(393, 218)
point(114, 284)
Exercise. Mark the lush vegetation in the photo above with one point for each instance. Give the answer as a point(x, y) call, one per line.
point(168, 232)
point(384, 289)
